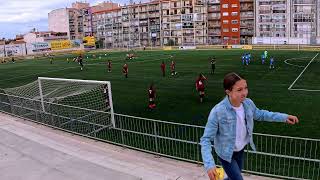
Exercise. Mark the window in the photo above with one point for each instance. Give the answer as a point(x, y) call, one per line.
point(225, 30)
point(234, 22)
point(225, 5)
point(225, 21)
point(234, 29)
point(234, 5)
point(225, 14)
point(234, 13)
point(225, 38)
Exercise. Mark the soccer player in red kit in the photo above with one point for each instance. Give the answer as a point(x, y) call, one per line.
point(200, 86)
point(109, 65)
point(163, 68)
point(125, 70)
point(173, 68)
point(152, 96)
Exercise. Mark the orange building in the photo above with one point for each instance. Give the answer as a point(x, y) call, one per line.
point(230, 21)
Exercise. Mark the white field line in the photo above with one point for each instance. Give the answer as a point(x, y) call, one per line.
point(308, 90)
point(303, 71)
point(286, 61)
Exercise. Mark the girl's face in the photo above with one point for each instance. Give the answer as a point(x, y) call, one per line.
point(239, 92)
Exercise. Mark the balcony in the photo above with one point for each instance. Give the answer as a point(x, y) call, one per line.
point(144, 24)
point(244, 32)
point(246, 25)
point(188, 34)
point(214, 9)
point(303, 2)
point(214, 2)
point(214, 17)
point(246, 8)
point(214, 33)
point(246, 1)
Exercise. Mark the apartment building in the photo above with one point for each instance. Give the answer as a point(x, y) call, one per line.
point(287, 21)
point(109, 27)
point(157, 23)
point(129, 26)
point(76, 21)
point(304, 21)
point(230, 18)
point(247, 21)
point(184, 22)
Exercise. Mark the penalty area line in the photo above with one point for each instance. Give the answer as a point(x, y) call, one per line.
point(302, 71)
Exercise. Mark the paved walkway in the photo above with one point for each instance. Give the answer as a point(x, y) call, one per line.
point(29, 151)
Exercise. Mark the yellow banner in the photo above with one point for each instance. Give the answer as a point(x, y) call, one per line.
point(89, 41)
point(167, 48)
point(57, 45)
point(247, 47)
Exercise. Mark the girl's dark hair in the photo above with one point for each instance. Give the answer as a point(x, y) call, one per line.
point(230, 79)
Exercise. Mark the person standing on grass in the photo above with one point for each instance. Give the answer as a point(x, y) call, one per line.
point(152, 96)
point(266, 54)
point(80, 61)
point(247, 57)
point(109, 65)
point(271, 63)
point(173, 68)
point(213, 64)
point(163, 68)
point(125, 70)
point(200, 86)
point(51, 59)
point(230, 127)
point(243, 59)
point(263, 59)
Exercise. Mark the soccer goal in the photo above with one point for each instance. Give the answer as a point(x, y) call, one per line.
point(86, 104)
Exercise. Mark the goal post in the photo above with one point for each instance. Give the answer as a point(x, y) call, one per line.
point(86, 94)
point(85, 105)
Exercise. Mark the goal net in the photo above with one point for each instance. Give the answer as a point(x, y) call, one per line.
point(84, 106)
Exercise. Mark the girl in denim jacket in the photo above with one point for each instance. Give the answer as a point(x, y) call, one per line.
point(230, 127)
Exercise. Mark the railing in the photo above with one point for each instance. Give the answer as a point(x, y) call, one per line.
point(277, 156)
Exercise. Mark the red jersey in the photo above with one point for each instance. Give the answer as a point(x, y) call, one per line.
point(173, 66)
point(200, 83)
point(163, 66)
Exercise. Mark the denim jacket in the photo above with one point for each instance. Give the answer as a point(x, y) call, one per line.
point(221, 129)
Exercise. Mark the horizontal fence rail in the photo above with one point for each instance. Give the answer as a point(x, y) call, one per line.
point(277, 156)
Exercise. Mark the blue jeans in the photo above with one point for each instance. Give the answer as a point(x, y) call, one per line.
point(233, 169)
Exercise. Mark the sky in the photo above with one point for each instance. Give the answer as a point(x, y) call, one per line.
point(20, 16)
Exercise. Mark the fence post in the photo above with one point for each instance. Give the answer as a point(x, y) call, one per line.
point(156, 135)
point(51, 116)
point(198, 146)
point(122, 137)
point(35, 110)
point(22, 108)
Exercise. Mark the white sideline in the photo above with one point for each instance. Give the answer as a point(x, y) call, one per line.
point(302, 71)
point(41, 153)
